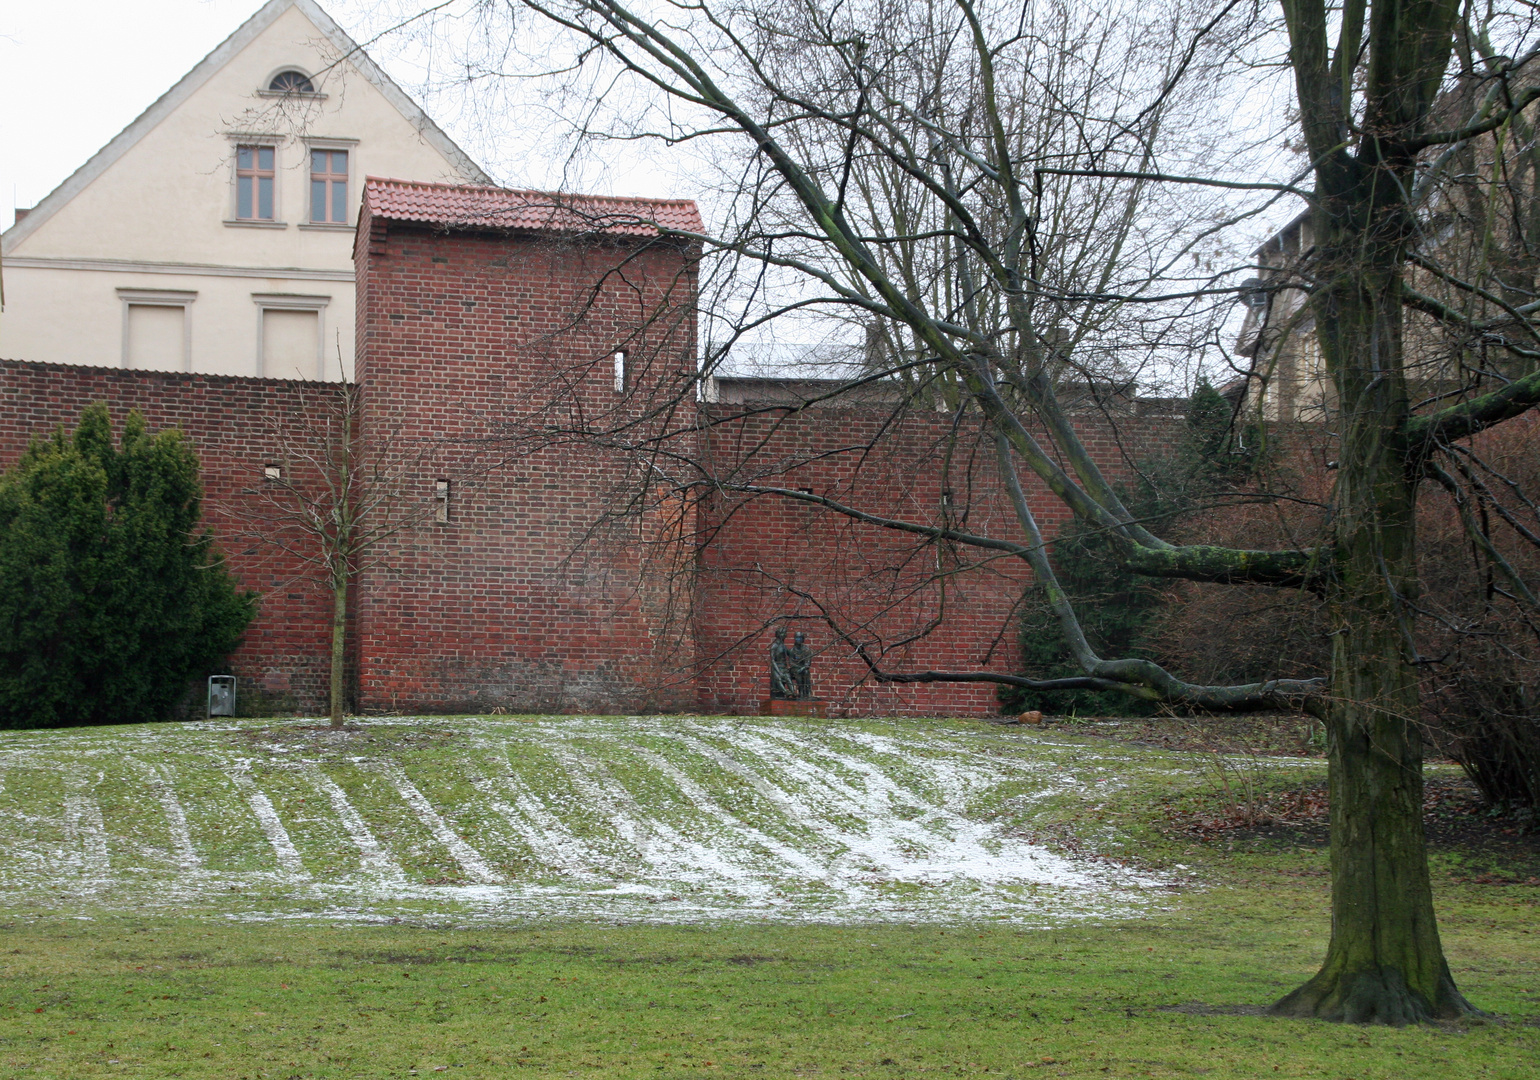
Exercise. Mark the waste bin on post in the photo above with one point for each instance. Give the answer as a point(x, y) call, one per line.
point(221, 695)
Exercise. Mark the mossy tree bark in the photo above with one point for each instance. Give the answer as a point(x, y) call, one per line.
point(1385, 962)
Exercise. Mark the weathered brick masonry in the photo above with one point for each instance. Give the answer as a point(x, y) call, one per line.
point(493, 338)
point(913, 606)
point(231, 422)
point(488, 327)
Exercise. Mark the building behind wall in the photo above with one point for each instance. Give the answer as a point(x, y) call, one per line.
point(1287, 381)
point(214, 234)
point(1469, 282)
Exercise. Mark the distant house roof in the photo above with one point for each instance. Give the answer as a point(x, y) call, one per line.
point(776, 390)
point(466, 206)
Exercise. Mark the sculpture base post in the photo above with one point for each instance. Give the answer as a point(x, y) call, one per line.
point(788, 707)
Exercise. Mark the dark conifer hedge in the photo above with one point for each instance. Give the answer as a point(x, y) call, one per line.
point(1116, 607)
point(112, 594)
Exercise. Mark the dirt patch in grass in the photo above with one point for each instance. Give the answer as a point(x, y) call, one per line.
point(1270, 734)
point(1243, 804)
point(1480, 845)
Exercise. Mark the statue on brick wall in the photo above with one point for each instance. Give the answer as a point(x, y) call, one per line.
point(782, 685)
point(801, 657)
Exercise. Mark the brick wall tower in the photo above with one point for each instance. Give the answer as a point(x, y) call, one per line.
point(498, 332)
point(519, 355)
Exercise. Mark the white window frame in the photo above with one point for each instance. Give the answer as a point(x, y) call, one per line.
point(316, 142)
point(239, 139)
point(174, 298)
point(622, 372)
point(293, 302)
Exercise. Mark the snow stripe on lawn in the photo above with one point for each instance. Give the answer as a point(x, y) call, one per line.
point(551, 843)
point(373, 857)
point(83, 824)
point(731, 823)
point(670, 856)
point(632, 818)
point(468, 857)
point(267, 817)
point(158, 780)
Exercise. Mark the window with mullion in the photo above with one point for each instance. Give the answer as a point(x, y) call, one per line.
point(254, 179)
point(329, 186)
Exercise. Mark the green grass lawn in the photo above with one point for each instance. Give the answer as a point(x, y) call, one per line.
point(92, 986)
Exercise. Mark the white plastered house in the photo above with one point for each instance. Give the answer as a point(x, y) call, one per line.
point(214, 234)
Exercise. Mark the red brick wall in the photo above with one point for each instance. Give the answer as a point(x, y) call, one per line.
point(477, 352)
point(230, 422)
point(487, 360)
point(914, 605)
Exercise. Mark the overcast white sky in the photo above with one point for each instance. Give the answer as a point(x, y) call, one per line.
point(74, 74)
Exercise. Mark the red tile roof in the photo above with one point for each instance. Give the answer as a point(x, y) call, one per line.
point(467, 206)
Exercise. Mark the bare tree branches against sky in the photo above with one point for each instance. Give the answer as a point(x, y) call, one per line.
point(1137, 87)
point(1171, 88)
point(503, 87)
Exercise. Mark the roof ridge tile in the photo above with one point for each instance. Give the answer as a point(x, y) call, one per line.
point(482, 206)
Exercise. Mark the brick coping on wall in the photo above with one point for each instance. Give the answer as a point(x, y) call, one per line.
point(190, 376)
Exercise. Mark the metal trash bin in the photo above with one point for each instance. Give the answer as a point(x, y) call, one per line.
point(221, 695)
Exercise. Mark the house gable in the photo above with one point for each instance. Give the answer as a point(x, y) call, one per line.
point(331, 52)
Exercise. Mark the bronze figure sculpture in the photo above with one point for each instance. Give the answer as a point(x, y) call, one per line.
point(782, 686)
point(801, 665)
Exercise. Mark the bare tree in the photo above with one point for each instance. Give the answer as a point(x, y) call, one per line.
point(1009, 212)
point(334, 490)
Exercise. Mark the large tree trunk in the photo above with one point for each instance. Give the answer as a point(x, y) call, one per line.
point(339, 643)
point(1385, 963)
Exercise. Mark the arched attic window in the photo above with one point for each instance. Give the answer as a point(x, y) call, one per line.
point(291, 82)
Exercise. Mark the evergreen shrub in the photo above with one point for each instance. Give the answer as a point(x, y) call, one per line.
point(1118, 609)
point(112, 595)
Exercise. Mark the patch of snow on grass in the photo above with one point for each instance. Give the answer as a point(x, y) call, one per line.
point(617, 818)
point(158, 780)
point(83, 825)
point(374, 859)
point(469, 858)
point(272, 826)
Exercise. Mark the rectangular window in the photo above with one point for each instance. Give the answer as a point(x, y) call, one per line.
point(289, 335)
point(254, 179)
point(157, 329)
point(441, 500)
point(329, 186)
point(620, 372)
point(272, 472)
